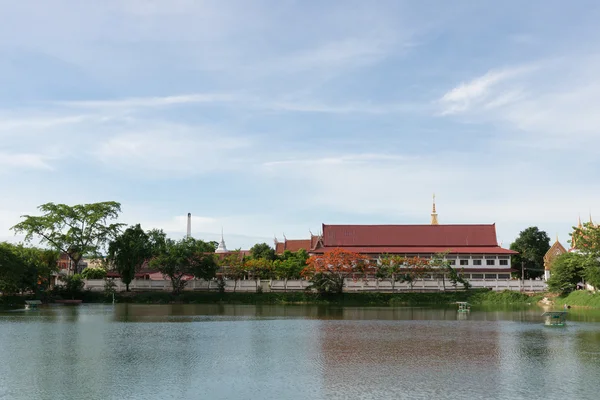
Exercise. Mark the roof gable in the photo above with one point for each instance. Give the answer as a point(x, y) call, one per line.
point(556, 250)
point(293, 245)
point(410, 235)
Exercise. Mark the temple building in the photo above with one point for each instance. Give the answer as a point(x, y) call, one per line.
point(471, 247)
point(221, 248)
point(555, 250)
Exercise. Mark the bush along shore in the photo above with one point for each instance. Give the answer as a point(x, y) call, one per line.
point(475, 297)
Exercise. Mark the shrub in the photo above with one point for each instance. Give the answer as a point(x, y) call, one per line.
point(73, 286)
point(94, 273)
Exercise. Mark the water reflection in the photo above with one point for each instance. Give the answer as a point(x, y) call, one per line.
point(294, 352)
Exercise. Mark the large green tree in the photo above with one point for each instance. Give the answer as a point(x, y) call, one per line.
point(290, 265)
point(262, 250)
point(37, 267)
point(567, 271)
point(532, 244)
point(587, 240)
point(11, 269)
point(128, 252)
point(25, 268)
point(187, 256)
point(78, 231)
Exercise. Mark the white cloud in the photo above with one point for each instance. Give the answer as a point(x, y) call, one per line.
point(147, 102)
point(552, 108)
point(480, 91)
point(11, 161)
point(172, 148)
point(365, 158)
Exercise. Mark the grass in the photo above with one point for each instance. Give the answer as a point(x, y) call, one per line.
point(580, 298)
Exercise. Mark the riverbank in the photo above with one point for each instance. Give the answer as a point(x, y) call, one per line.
point(579, 298)
point(475, 297)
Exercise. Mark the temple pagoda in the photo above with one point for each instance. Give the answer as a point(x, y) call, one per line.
point(471, 247)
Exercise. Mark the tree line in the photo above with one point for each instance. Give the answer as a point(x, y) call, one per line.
point(92, 230)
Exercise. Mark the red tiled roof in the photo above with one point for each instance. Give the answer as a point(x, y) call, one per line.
point(410, 235)
point(279, 247)
point(242, 253)
point(418, 250)
point(293, 245)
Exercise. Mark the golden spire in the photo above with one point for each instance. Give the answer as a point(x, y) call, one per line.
point(580, 225)
point(434, 219)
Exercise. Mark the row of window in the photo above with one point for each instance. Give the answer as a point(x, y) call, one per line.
point(478, 262)
point(487, 276)
point(429, 277)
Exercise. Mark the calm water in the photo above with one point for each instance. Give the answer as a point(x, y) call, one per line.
point(294, 352)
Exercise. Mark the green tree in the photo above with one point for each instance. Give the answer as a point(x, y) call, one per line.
point(587, 240)
point(232, 267)
point(532, 244)
point(393, 267)
point(438, 261)
point(157, 240)
point(567, 271)
point(290, 265)
point(73, 286)
point(262, 250)
point(26, 268)
point(78, 231)
point(93, 273)
point(11, 269)
point(188, 256)
point(128, 251)
point(49, 265)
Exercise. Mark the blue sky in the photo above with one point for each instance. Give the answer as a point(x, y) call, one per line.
point(272, 117)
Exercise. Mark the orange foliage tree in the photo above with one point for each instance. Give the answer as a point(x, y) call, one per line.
point(231, 266)
point(328, 271)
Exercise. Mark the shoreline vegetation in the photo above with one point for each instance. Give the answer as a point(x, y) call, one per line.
point(579, 299)
point(475, 297)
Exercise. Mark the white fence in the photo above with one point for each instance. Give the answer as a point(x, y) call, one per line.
point(371, 285)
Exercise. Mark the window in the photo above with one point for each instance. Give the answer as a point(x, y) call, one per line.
point(476, 276)
point(503, 262)
point(476, 262)
point(490, 276)
point(490, 262)
point(452, 262)
point(464, 262)
point(503, 276)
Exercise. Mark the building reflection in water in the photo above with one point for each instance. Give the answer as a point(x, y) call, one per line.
point(404, 350)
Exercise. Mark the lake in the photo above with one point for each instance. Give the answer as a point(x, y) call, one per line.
point(295, 352)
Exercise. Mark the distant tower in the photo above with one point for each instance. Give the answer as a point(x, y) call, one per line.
point(221, 248)
point(434, 216)
point(189, 225)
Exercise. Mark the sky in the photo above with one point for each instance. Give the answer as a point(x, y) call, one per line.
point(267, 118)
